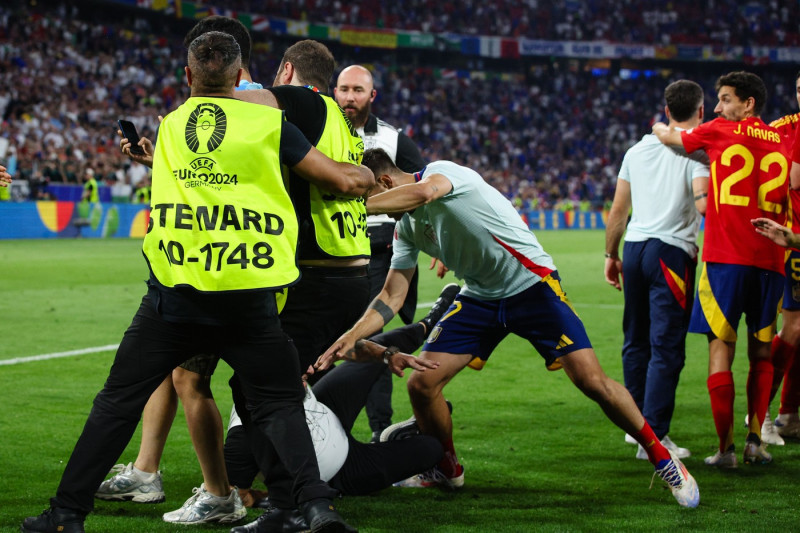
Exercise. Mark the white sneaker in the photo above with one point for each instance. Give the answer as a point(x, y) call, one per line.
point(680, 481)
point(629, 439)
point(432, 478)
point(204, 507)
point(756, 454)
point(788, 425)
point(722, 459)
point(769, 433)
point(129, 484)
point(677, 451)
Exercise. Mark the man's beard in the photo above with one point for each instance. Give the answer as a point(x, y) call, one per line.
point(358, 117)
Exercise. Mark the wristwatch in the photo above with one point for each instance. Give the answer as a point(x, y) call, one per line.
point(388, 352)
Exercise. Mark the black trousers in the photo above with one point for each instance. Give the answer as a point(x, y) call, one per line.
point(151, 348)
point(368, 467)
point(324, 304)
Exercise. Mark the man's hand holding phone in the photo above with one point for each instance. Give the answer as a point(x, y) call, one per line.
point(136, 148)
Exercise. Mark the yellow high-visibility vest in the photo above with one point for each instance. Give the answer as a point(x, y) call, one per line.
point(340, 223)
point(221, 218)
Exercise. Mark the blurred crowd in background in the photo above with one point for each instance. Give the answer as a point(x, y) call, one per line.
point(744, 23)
point(547, 132)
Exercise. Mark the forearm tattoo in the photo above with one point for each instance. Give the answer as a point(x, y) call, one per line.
point(384, 310)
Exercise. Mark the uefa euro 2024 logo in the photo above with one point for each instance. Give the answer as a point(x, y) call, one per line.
point(205, 128)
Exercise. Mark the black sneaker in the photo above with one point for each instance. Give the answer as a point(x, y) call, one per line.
point(275, 520)
point(440, 306)
point(54, 520)
point(407, 428)
point(401, 430)
point(323, 517)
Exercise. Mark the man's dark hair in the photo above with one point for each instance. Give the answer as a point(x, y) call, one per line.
point(313, 63)
point(215, 61)
point(684, 98)
point(745, 85)
point(378, 161)
point(227, 25)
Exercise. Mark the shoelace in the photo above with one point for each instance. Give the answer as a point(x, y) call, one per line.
point(434, 475)
point(120, 468)
point(670, 475)
point(430, 475)
point(196, 493)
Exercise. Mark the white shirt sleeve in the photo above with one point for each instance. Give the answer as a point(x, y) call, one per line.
point(700, 170)
point(624, 169)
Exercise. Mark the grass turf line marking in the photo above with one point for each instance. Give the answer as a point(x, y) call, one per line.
point(111, 347)
point(56, 355)
point(108, 348)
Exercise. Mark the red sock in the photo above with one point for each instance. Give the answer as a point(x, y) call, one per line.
point(790, 396)
point(781, 355)
point(449, 463)
point(655, 450)
point(722, 393)
point(759, 380)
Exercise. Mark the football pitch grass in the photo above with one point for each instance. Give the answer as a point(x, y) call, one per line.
point(538, 455)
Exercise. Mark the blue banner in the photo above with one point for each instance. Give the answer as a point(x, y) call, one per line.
point(55, 219)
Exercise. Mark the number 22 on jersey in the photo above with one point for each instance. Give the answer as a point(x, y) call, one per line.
point(738, 155)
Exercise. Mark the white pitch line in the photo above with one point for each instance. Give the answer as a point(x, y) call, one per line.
point(46, 356)
point(112, 347)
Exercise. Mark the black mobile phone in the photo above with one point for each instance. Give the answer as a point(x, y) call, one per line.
point(129, 132)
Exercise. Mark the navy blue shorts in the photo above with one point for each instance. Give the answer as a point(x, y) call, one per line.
point(541, 314)
point(725, 291)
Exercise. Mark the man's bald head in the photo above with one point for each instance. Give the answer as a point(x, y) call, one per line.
point(357, 74)
point(355, 92)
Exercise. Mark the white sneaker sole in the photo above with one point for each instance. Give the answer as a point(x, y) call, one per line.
point(228, 518)
point(150, 497)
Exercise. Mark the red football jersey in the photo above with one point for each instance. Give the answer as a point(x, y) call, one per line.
point(787, 126)
point(750, 164)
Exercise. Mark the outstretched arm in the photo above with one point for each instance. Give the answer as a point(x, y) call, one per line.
point(378, 314)
point(667, 135)
point(344, 179)
point(780, 235)
point(258, 96)
point(368, 351)
point(407, 197)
